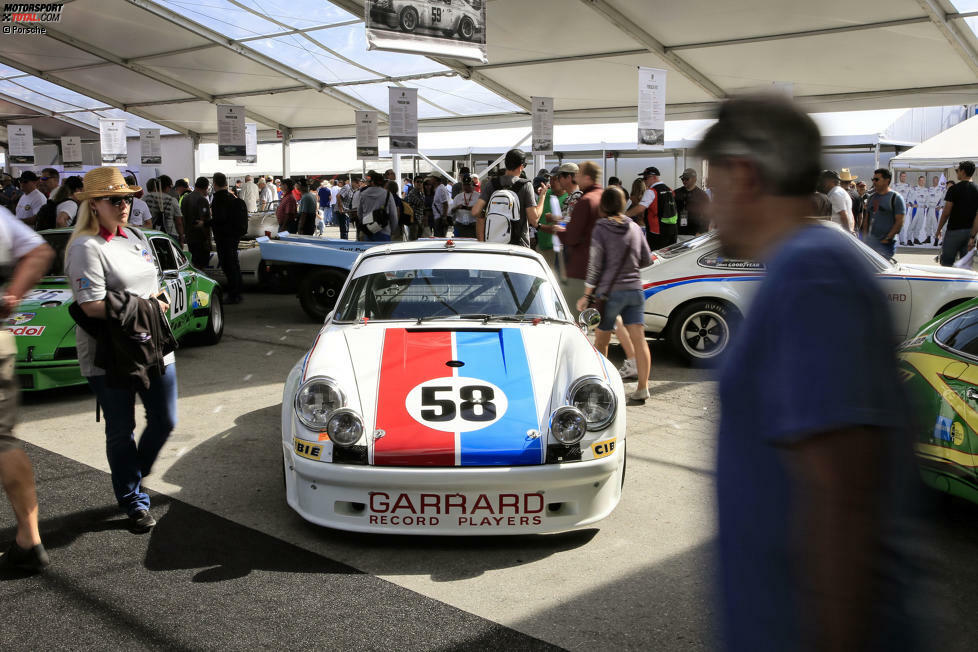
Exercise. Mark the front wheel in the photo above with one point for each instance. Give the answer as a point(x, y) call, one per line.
point(409, 19)
point(215, 321)
point(318, 291)
point(701, 331)
point(466, 29)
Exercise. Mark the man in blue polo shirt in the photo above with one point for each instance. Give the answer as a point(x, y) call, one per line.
point(815, 471)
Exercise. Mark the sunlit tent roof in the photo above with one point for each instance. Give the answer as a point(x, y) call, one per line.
point(302, 65)
point(945, 150)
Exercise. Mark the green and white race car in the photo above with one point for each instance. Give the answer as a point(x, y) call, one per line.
point(939, 367)
point(45, 332)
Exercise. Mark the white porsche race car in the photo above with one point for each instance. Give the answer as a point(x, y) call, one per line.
point(694, 296)
point(450, 393)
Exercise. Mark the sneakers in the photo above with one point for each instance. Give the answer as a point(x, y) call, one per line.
point(628, 370)
point(639, 394)
point(141, 521)
point(33, 559)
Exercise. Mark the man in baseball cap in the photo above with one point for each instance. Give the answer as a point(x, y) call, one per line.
point(31, 201)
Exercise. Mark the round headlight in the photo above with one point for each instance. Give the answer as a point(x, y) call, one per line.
point(345, 427)
point(595, 399)
point(568, 425)
point(316, 400)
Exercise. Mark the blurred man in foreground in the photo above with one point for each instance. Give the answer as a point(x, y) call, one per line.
point(814, 472)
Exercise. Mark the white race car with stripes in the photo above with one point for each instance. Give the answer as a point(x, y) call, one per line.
point(450, 392)
point(695, 297)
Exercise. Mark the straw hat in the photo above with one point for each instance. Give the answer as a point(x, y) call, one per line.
point(846, 175)
point(106, 182)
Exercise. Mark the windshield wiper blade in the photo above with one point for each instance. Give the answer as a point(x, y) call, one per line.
point(527, 318)
point(481, 316)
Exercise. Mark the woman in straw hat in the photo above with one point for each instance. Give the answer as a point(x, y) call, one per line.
point(104, 254)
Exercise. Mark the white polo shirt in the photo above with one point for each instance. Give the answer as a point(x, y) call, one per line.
point(139, 212)
point(30, 204)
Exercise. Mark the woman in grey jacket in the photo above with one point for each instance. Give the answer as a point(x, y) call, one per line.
point(618, 252)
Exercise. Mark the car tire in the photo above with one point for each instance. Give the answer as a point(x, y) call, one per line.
point(701, 331)
point(408, 20)
point(318, 291)
point(214, 330)
point(466, 29)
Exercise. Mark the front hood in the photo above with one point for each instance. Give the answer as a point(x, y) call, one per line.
point(935, 270)
point(42, 322)
point(477, 396)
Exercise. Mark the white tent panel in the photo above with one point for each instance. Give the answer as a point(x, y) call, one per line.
point(12, 89)
point(312, 60)
point(351, 42)
point(224, 17)
point(125, 86)
point(377, 96)
point(301, 108)
point(220, 71)
point(304, 13)
point(122, 29)
point(945, 150)
point(58, 92)
point(44, 53)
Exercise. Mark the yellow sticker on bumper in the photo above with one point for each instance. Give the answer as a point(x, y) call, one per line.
point(603, 448)
point(306, 449)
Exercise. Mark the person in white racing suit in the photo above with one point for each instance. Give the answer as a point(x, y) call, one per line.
point(903, 189)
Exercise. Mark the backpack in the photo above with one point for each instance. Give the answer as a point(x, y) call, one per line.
point(501, 213)
point(665, 204)
point(47, 217)
point(379, 219)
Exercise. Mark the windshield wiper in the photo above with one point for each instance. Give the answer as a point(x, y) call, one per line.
point(526, 318)
point(456, 317)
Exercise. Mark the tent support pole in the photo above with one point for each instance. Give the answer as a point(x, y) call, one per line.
point(286, 155)
point(437, 167)
point(876, 155)
point(397, 169)
point(482, 175)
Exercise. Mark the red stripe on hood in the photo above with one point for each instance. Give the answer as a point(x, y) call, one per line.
point(409, 359)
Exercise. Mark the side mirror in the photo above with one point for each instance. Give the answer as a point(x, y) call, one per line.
point(588, 319)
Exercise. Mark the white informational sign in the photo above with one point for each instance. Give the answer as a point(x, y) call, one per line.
point(430, 27)
point(231, 132)
point(71, 152)
point(20, 144)
point(543, 125)
point(404, 120)
point(367, 146)
point(651, 108)
point(112, 135)
point(251, 144)
point(150, 151)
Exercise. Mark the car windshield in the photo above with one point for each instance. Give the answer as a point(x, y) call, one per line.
point(682, 247)
point(58, 242)
point(419, 294)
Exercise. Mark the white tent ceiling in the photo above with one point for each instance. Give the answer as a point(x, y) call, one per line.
point(945, 150)
point(302, 65)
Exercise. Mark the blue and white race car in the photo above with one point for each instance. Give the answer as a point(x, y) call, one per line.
point(450, 393)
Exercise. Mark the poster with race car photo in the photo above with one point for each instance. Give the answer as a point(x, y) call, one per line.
point(450, 28)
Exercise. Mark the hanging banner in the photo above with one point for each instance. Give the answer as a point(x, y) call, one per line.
point(651, 108)
point(367, 146)
point(20, 144)
point(71, 152)
point(251, 144)
point(430, 27)
point(231, 138)
point(150, 150)
point(543, 125)
point(112, 136)
point(404, 120)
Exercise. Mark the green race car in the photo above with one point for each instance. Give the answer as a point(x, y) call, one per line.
point(45, 332)
point(939, 367)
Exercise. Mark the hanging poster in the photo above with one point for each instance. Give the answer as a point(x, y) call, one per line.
point(20, 142)
point(251, 144)
point(651, 108)
point(150, 150)
point(543, 125)
point(71, 152)
point(367, 146)
point(231, 132)
point(112, 137)
point(455, 29)
point(404, 120)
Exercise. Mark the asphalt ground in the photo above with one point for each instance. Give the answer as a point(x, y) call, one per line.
point(231, 566)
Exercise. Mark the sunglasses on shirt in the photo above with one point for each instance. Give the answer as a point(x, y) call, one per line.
point(117, 201)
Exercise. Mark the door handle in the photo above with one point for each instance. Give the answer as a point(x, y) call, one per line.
point(972, 394)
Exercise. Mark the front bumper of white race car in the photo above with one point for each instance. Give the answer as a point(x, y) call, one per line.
point(457, 500)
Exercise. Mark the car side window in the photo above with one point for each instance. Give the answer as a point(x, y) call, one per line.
point(961, 333)
point(164, 254)
point(178, 257)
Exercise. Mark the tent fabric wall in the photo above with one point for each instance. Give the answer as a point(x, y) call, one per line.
point(945, 150)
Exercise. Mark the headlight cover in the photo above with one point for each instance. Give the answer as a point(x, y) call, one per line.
point(345, 427)
point(568, 425)
point(316, 400)
point(595, 399)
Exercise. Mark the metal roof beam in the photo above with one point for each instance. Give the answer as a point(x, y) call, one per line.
point(95, 96)
point(628, 26)
point(951, 32)
point(149, 73)
point(230, 44)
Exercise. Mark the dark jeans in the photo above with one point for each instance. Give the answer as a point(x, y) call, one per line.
point(227, 252)
point(200, 254)
point(128, 461)
point(343, 220)
point(464, 230)
point(379, 237)
point(668, 235)
point(307, 223)
point(955, 245)
point(292, 225)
